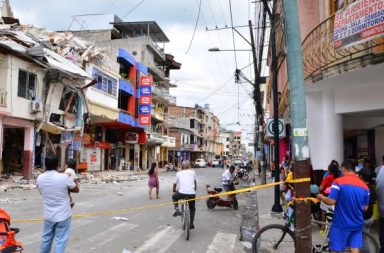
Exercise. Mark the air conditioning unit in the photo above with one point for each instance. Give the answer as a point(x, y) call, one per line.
point(36, 106)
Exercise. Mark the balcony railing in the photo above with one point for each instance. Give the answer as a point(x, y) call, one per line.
point(319, 53)
point(162, 93)
point(157, 113)
point(3, 98)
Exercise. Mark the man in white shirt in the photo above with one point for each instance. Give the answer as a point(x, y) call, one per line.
point(227, 181)
point(185, 188)
point(54, 187)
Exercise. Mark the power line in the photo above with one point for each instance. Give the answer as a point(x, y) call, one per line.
point(110, 6)
point(132, 9)
point(233, 33)
point(194, 31)
point(222, 13)
point(216, 90)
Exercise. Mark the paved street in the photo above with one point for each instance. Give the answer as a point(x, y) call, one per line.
point(151, 230)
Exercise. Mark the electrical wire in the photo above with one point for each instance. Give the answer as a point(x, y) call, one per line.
point(222, 13)
point(132, 9)
point(214, 92)
point(233, 33)
point(194, 31)
point(110, 6)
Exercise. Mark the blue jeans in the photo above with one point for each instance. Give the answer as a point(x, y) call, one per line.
point(58, 231)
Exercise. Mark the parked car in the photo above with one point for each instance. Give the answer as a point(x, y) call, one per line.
point(200, 163)
point(215, 163)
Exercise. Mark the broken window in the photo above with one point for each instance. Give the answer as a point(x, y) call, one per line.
point(27, 85)
point(69, 101)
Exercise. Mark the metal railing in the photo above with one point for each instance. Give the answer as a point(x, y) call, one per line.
point(3, 98)
point(319, 53)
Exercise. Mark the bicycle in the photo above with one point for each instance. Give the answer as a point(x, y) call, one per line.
point(280, 238)
point(185, 218)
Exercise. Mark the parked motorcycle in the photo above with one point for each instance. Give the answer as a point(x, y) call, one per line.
point(228, 200)
point(242, 173)
point(170, 167)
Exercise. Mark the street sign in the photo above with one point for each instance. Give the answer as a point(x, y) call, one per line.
point(270, 128)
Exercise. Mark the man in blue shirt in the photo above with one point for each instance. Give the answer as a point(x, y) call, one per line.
point(350, 195)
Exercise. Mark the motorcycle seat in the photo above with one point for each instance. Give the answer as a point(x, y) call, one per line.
point(218, 189)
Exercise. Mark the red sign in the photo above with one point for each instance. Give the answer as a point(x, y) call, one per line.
point(131, 138)
point(145, 100)
point(101, 145)
point(145, 120)
point(146, 81)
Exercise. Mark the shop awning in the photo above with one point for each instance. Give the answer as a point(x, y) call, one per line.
point(103, 112)
point(53, 129)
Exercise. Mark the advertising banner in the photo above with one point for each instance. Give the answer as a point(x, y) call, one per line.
point(145, 120)
point(145, 109)
point(145, 102)
point(146, 81)
point(145, 91)
point(359, 22)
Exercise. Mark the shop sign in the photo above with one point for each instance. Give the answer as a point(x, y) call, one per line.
point(145, 109)
point(131, 138)
point(145, 105)
point(145, 120)
point(359, 22)
point(66, 138)
point(145, 91)
point(145, 100)
point(100, 145)
point(146, 81)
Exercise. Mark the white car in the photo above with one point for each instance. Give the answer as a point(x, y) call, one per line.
point(215, 163)
point(200, 163)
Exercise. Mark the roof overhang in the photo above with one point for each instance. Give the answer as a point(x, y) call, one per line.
point(134, 29)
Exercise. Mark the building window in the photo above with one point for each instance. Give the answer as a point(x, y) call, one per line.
point(27, 85)
point(105, 83)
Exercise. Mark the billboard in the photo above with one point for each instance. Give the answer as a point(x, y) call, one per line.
point(145, 101)
point(359, 22)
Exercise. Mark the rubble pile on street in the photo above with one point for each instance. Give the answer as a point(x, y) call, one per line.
point(102, 178)
point(16, 182)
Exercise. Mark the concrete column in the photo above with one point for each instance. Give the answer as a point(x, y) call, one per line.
point(136, 156)
point(1, 145)
point(28, 152)
point(145, 157)
point(332, 136)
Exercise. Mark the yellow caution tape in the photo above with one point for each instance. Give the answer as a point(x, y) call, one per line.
point(126, 210)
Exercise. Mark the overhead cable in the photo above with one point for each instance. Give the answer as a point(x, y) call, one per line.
point(194, 31)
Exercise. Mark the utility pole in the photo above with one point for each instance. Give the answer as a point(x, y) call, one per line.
point(300, 147)
point(259, 118)
point(276, 208)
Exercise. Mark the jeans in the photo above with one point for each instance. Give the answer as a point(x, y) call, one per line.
point(381, 234)
point(58, 231)
point(192, 209)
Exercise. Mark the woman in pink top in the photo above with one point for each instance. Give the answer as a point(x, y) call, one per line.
point(153, 181)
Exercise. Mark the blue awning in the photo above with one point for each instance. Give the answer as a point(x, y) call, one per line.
point(125, 57)
point(126, 119)
point(126, 86)
point(142, 68)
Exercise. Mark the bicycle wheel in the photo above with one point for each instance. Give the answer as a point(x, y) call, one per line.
point(370, 245)
point(187, 224)
point(274, 238)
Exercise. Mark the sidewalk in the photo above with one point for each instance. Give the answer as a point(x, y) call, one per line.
point(262, 204)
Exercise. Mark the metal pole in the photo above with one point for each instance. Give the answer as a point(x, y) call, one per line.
point(257, 97)
point(276, 206)
point(303, 232)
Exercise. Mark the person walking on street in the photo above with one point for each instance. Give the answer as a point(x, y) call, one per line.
point(153, 181)
point(185, 188)
point(54, 187)
point(350, 195)
point(380, 203)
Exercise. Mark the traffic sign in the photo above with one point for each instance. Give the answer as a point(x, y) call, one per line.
point(270, 128)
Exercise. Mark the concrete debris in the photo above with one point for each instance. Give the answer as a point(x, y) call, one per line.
point(119, 193)
point(247, 245)
point(3, 188)
point(9, 201)
point(120, 218)
point(126, 251)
